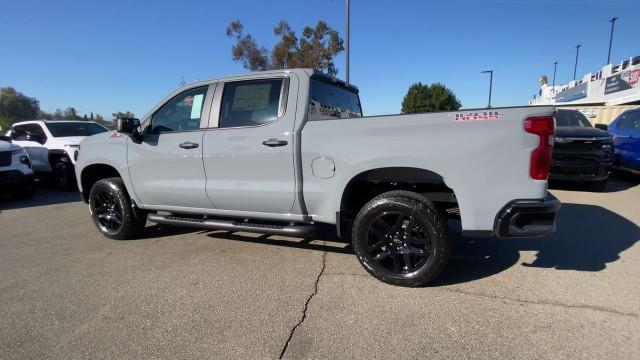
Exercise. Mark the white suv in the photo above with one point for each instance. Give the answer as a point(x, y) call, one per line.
point(16, 175)
point(53, 145)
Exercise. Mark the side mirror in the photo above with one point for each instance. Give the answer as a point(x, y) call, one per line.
point(604, 127)
point(5, 138)
point(36, 138)
point(127, 126)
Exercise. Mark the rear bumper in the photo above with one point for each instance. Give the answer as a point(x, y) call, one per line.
point(527, 218)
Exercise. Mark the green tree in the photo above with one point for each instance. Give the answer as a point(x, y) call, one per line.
point(71, 113)
point(57, 115)
point(16, 106)
point(315, 49)
point(424, 98)
point(122, 115)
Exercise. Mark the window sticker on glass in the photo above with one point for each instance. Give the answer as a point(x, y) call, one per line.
point(196, 107)
point(251, 97)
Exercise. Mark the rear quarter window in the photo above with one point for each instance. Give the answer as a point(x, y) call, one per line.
point(329, 100)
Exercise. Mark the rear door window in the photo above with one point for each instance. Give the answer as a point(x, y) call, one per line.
point(331, 100)
point(250, 103)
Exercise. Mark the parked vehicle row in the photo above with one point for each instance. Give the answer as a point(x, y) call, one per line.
point(582, 153)
point(53, 145)
point(281, 152)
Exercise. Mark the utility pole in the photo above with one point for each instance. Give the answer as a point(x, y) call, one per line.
point(613, 22)
point(575, 67)
point(553, 86)
point(347, 52)
point(490, 72)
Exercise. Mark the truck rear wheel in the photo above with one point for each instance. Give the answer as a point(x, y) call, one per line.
point(112, 211)
point(401, 239)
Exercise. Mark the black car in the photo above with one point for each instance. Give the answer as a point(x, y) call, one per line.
point(580, 151)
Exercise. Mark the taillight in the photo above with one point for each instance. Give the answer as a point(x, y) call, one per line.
point(543, 126)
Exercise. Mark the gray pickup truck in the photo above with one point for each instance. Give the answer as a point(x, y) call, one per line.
point(287, 152)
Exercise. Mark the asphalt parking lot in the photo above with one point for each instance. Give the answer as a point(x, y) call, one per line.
point(66, 292)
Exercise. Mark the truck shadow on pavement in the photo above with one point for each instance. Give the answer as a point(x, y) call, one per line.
point(587, 239)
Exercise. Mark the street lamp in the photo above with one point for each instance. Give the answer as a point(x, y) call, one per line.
point(347, 52)
point(612, 21)
point(490, 72)
point(575, 67)
point(553, 86)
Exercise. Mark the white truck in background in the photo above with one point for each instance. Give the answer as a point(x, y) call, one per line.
point(52, 146)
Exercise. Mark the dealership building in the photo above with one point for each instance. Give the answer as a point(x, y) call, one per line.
point(599, 96)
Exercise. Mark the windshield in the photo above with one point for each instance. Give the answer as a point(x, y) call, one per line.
point(571, 118)
point(65, 129)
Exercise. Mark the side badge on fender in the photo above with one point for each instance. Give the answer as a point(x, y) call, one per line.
point(484, 115)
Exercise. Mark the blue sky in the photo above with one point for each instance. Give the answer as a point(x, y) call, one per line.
point(105, 56)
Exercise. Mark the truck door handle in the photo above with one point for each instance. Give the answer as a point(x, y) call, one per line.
point(188, 145)
point(274, 142)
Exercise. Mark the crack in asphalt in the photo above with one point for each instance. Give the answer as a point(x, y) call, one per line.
point(523, 301)
point(547, 302)
point(306, 306)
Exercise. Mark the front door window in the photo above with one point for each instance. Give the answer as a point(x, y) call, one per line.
point(182, 113)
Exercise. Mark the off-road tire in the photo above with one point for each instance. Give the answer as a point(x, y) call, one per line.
point(430, 222)
point(112, 211)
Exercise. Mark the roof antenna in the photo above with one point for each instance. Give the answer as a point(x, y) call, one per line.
point(182, 82)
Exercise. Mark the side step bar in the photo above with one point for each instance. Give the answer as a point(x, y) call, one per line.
point(295, 230)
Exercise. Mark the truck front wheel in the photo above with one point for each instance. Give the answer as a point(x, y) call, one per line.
point(63, 174)
point(401, 239)
point(112, 212)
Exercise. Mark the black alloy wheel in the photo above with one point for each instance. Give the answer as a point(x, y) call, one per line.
point(107, 211)
point(112, 210)
point(398, 242)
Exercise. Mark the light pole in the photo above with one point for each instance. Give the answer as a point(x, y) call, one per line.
point(490, 72)
point(612, 21)
point(347, 52)
point(553, 86)
point(575, 67)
